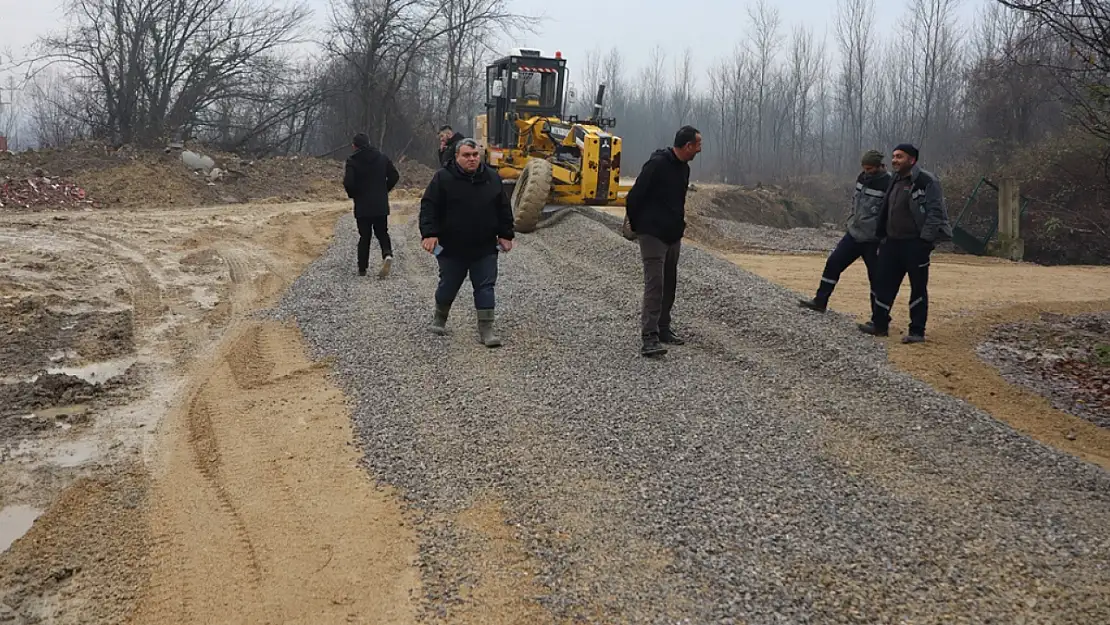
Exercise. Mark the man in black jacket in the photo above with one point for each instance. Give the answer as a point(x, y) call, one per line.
point(368, 178)
point(448, 140)
point(913, 220)
point(465, 219)
point(656, 210)
point(860, 240)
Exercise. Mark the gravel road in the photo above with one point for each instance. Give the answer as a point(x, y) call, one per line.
point(774, 470)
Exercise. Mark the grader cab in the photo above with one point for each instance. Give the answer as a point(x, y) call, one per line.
point(548, 159)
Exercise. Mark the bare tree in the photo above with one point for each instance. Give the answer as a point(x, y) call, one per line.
point(151, 67)
point(1084, 26)
point(805, 63)
point(854, 34)
point(765, 23)
point(682, 86)
point(592, 76)
point(932, 23)
point(52, 96)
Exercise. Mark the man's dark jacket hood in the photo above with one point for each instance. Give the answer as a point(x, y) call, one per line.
point(368, 178)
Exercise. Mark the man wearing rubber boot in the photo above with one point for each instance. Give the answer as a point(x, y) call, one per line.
point(656, 210)
point(860, 241)
point(368, 178)
point(914, 219)
point(465, 220)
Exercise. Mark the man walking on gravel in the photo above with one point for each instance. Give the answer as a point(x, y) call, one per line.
point(465, 220)
point(914, 218)
point(860, 241)
point(656, 210)
point(368, 178)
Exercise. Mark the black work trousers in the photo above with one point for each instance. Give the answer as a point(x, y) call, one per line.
point(379, 226)
point(660, 284)
point(847, 251)
point(897, 259)
point(483, 277)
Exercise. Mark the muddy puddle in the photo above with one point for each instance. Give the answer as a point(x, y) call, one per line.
point(96, 372)
point(15, 521)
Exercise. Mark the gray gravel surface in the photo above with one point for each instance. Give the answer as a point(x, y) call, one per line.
point(774, 470)
point(741, 235)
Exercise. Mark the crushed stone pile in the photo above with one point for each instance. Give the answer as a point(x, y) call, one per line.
point(775, 469)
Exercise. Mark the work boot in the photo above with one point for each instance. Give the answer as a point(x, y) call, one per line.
point(485, 328)
point(812, 304)
point(362, 272)
point(652, 347)
point(913, 338)
point(439, 320)
point(869, 328)
point(666, 335)
point(387, 263)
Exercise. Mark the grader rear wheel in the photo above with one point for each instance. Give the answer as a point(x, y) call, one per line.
point(530, 194)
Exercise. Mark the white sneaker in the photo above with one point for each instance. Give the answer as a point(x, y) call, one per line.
point(387, 263)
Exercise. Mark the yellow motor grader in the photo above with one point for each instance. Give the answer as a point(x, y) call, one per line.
point(549, 160)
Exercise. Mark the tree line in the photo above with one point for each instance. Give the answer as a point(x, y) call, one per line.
point(789, 100)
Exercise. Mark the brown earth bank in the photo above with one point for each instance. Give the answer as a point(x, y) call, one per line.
point(167, 457)
point(90, 175)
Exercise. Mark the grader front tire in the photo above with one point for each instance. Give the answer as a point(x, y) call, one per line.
point(530, 195)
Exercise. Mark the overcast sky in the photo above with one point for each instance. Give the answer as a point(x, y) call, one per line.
point(711, 28)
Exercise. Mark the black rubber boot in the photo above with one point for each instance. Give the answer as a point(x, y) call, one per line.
point(439, 319)
point(485, 328)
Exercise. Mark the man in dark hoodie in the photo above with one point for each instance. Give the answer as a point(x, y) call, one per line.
point(860, 240)
point(448, 141)
point(656, 211)
point(465, 220)
point(368, 178)
point(913, 220)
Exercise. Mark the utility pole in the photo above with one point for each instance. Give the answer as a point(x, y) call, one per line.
point(10, 103)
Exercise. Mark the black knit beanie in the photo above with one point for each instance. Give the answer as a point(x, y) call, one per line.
point(361, 140)
point(908, 149)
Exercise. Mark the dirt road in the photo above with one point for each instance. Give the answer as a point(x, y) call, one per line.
point(206, 468)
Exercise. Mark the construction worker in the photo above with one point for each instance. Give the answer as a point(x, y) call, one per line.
point(913, 220)
point(465, 220)
point(368, 178)
point(860, 240)
point(656, 211)
point(448, 139)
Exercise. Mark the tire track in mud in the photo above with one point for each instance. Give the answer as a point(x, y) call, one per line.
point(210, 462)
point(269, 517)
point(146, 291)
point(271, 520)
